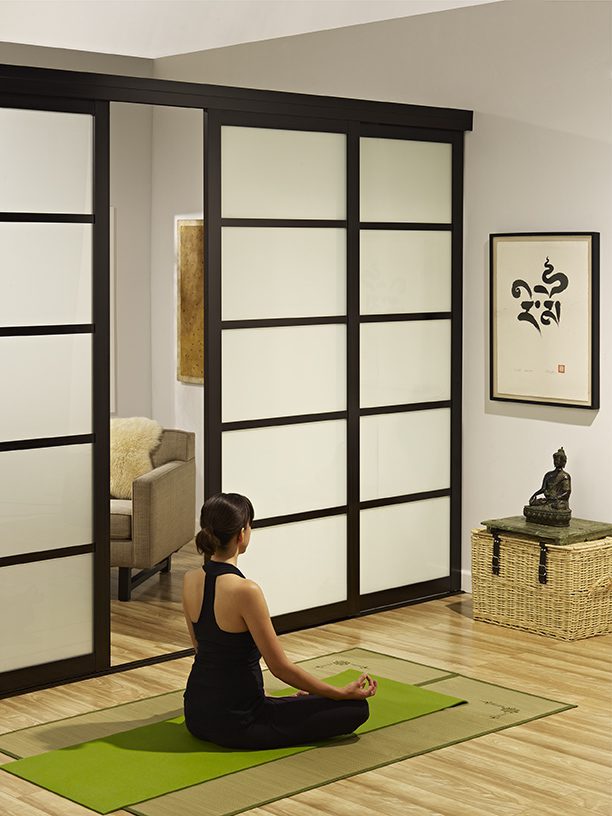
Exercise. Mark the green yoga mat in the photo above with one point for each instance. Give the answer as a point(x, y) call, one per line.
point(142, 763)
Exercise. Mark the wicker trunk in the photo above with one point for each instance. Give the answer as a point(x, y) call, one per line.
point(559, 591)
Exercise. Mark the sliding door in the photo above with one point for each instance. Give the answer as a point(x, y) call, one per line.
point(53, 421)
point(276, 370)
point(410, 337)
point(333, 357)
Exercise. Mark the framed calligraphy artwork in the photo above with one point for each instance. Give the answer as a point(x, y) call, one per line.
point(544, 318)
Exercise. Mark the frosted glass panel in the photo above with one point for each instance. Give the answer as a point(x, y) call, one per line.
point(48, 379)
point(286, 561)
point(405, 453)
point(50, 611)
point(45, 161)
point(267, 173)
point(405, 271)
point(283, 371)
point(405, 361)
point(404, 544)
point(289, 468)
point(405, 181)
point(45, 274)
point(45, 499)
point(282, 272)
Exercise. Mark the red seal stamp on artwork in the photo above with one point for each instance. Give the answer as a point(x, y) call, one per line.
point(561, 369)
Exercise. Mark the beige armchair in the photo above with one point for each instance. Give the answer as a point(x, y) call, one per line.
point(160, 517)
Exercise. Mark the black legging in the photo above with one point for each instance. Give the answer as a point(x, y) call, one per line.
point(286, 721)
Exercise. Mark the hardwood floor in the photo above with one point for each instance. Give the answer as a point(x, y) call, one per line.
point(152, 622)
point(557, 766)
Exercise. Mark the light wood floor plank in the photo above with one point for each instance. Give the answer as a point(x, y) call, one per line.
point(532, 777)
point(445, 780)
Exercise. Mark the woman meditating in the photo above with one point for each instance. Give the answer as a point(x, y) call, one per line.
point(230, 627)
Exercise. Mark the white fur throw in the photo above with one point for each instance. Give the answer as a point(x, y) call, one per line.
point(131, 442)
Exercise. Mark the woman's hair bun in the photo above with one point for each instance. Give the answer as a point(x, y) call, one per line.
point(206, 541)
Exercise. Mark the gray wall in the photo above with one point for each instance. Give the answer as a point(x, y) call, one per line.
point(178, 157)
point(131, 145)
point(65, 59)
point(537, 75)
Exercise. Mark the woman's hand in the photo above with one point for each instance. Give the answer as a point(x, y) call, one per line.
point(360, 689)
point(301, 694)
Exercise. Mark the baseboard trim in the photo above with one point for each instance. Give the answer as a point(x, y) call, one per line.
point(466, 580)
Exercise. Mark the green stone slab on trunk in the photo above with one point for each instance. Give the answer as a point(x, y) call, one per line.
point(578, 530)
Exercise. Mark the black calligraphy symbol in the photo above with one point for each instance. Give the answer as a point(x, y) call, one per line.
point(503, 709)
point(556, 282)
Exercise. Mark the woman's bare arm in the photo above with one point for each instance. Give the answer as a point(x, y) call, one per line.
point(254, 610)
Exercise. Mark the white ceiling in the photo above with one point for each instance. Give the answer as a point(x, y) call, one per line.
point(159, 28)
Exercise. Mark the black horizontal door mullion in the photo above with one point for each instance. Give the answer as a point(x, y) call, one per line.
point(284, 223)
point(406, 498)
point(306, 515)
point(273, 322)
point(46, 442)
point(408, 226)
point(46, 555)
point(275, 422)
point(409, 406)
point(404, 316)
point(46, 218)
point(34, 331)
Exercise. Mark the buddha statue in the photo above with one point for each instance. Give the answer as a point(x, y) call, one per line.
point(550, 504)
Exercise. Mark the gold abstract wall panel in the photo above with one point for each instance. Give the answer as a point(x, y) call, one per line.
point(190, 301)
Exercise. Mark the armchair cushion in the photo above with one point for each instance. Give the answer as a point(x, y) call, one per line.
point(121, 519)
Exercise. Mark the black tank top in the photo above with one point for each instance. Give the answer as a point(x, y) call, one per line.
point(226, 677)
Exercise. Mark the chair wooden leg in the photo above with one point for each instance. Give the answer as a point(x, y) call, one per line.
point(124, 592)
point(127, 583)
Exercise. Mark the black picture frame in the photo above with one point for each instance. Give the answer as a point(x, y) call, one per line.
point(544, 318)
